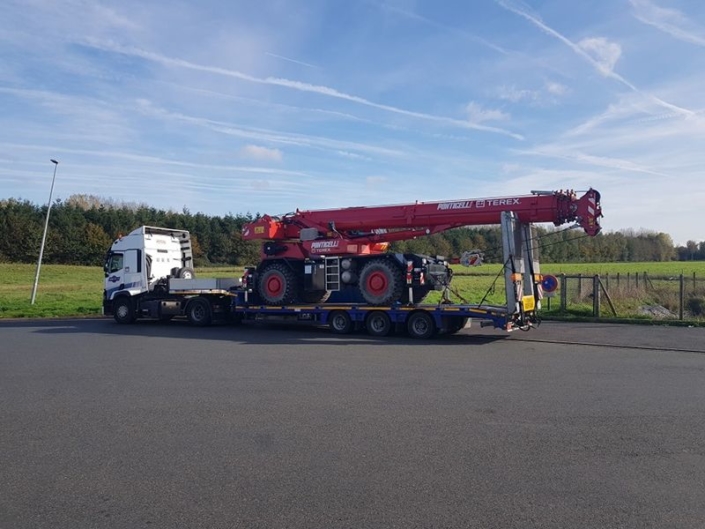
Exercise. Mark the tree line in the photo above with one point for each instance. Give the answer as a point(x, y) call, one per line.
point(82, 228)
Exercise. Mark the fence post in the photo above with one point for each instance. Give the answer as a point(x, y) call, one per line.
point(607, 278)
point(681, 301)
point(564, 293)
point(617, 279)
point(580, 286)
point(637, 280)
point(694, 286)
point(596, 296)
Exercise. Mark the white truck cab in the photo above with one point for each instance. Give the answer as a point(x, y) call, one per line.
point(144, 258)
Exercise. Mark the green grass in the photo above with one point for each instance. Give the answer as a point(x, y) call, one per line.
point(62, 291)
point(77, 290)
point(669, 268)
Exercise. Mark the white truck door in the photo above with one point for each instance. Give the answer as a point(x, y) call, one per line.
point(132, 271)
point(114, 273)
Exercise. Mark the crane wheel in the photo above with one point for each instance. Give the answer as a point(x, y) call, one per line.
point(277, 284)
point(381, 283)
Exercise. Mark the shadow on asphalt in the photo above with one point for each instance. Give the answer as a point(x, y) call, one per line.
point(251, 333)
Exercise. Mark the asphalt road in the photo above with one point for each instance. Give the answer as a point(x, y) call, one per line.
point(156, 425)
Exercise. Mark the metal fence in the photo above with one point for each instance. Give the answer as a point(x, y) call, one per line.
point(637, 295)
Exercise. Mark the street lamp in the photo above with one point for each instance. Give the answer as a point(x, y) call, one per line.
point(44, 237)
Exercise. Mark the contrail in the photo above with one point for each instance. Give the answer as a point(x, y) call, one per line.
point(577, 49)
point(302, 63)
point(294, 85)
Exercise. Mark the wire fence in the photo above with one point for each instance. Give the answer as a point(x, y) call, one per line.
point(637, 295)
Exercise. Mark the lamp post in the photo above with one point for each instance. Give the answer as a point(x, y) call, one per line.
point(44, 237)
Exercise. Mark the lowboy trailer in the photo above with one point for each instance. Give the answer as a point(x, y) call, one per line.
point(148, 274)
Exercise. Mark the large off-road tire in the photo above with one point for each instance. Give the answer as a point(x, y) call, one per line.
point(277, 284)
point(378, 323)
point(124, 310)
point(199, 313)
point(381, 283)
point(420, 325)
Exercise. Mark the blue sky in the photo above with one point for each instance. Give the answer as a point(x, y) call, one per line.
point(239, 106)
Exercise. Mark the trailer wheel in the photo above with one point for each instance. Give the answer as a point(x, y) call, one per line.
point(277, 284)
point(378, 323)
point(186, 273)
point(198, 312)
point(124, 310)
point(381, 282)
point(340, 322)
point(420, 325)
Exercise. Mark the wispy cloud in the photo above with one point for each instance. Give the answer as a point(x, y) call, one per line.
point(288, 83)
point(548, 94)
point(600, 62)
point(589, 159)
point(478, 114)
point(257, 152)
point(604, 53)
point(669, 21)
point(415, 16)
point(301, 140)
point(143, 159)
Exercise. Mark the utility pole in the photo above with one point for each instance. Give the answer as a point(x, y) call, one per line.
point(44, 237)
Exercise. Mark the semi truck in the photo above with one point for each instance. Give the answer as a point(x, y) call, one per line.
point(349, 281)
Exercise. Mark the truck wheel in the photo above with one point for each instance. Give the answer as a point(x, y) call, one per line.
point(277, 284)
point(381, 282)
point(186, 273)
point(340, 322)
point(198, 312)
point(378, 323)
point(420, 325)
point(124, 310)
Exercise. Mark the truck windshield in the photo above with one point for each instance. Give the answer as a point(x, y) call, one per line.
point(114, 263)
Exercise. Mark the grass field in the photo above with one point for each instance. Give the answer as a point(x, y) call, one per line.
point(77, 290)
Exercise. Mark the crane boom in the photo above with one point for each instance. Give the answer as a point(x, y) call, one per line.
point(379, 224)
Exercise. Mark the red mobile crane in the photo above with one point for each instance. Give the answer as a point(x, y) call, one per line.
point(308, 254)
